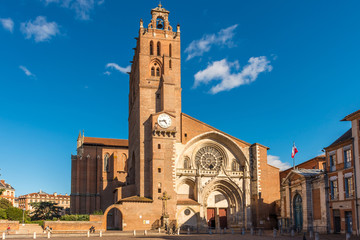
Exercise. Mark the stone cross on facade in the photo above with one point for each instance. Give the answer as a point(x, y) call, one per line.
point(164, 200)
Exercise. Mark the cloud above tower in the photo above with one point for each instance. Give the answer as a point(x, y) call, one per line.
point(117, 68)
point(82, 8)
point(223, 38)
point(7, 24)
point(230, 75)
point(40, 29)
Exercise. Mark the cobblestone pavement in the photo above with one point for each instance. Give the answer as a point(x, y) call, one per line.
point(154, 236)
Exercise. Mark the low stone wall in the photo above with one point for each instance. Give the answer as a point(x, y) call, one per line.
point(73, 225)
point(4, 224)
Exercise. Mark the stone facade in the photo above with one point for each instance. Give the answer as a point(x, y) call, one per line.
point(60, 200)
point(8, 192)
point(304, 204)
point(177, 169)
point(343, 166)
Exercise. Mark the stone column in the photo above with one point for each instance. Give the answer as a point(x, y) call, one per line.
point(247, 222)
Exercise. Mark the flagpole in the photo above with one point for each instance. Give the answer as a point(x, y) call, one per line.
point(294, 155)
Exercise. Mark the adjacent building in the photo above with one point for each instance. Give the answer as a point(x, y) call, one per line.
point(8, 192)
point(304, 195)
point(59, 199)
point(344, 178)
point(173, 169)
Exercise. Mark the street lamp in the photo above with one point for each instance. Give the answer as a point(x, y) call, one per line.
point(23, 215)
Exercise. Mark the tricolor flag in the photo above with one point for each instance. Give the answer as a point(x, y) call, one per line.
point(294, 151)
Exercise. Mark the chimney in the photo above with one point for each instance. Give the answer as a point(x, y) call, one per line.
point(55, 194)
point(2, 181)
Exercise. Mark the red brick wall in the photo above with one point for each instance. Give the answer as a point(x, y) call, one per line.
point(4, 224)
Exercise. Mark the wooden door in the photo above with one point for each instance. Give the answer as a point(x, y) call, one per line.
point(211, 217)
point(223, 218)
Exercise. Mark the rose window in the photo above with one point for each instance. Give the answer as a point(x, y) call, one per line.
point(209, 158)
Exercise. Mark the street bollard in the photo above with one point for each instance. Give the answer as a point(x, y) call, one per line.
point(347, 237)
point(159, 230)
point(232, 231)
point(145, 232)
point(311, 234)
point(134, 232)
point(34, 235)
point(292, 232)
point(88, 233)
point(3, 235)
point(100, 234)
point(260, 232)
point(188, 231)
point(252, 231)
point(48, 235)
point(210, 231)
point(224, 230)
point(317, 236)
point(178, 231)
point(274, 233)
point(243, 231)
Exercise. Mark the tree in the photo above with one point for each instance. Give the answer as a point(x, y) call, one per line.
point(14, 214)
point(1, 191)
point(5, 204)
point(45, 211)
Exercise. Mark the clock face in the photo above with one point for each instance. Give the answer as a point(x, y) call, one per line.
point(209, 158)
point(164, 120)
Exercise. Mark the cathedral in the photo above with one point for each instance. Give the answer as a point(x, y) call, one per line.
point(173, 169)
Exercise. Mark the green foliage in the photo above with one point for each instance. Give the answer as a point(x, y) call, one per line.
point(98, 212)
point(14, 214)
point(3, 214)
point(45, 211)
point(5, 204)
point(1, 191)
point(75, 218)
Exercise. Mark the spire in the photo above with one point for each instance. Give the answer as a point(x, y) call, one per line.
point(160, 6)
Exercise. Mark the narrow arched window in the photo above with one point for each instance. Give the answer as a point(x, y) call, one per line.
point(170, 63)
point(151, 48)
point(170, 53)
point(234, 166)
point(158, 72)
point(106, 162)
point(186, 163)
point(152, 71)
point(158, 49)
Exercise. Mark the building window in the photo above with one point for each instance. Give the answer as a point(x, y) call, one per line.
point(159, 187)
point(159, 146)
point(158, 49)
point(106, 162)
point(186, 163)
point(170, 50)
point(347, 158)
point(159, 170)
point(234, 166)
point(333, 189)
point(348, 187)
point(170, 64)
point(332, 159)
point(151, 48)
point(158, 72)
point(152, 71)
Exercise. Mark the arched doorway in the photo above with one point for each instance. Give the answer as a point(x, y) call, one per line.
point(217, 210)
point(114, 219)
point(298, 212)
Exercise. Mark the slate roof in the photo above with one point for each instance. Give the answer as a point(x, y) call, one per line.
point(6, 186)
point(344, 137)
point(308, 172)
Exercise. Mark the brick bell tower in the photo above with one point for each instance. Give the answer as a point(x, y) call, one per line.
point(154, 110)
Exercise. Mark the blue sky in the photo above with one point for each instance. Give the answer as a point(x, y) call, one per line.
point(265, 71)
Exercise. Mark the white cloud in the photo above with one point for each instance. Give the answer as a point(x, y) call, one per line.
point(118, 68)
point(82, 8)
point(26, 71)
point(221, 71)
point(276, 162)
point(40, 29)
point(107, 73)
point(222, 38)
point(7, 24)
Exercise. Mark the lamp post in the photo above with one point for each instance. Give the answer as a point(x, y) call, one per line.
point(23, 215)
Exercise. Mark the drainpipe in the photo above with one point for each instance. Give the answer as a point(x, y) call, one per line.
point(356, 195)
